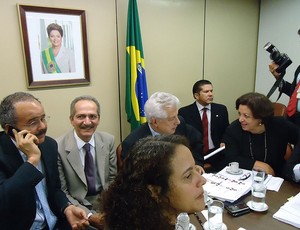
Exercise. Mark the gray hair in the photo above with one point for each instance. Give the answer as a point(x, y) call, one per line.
point(83, 98)
point(7, 107)
point(156, 105)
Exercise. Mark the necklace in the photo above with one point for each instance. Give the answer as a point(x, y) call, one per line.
point(266, 149)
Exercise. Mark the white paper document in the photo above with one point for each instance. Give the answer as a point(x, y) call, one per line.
point(290, 212)
point(274, 183)
point(226, 187)
point(214, 152)
point(229, 187)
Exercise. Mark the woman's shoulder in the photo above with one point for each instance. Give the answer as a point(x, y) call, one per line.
point(235, 125)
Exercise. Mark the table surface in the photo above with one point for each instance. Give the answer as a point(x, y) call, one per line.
point(259, 220)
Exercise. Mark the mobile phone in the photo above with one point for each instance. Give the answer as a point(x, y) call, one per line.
point(238, 209)
point(10, 132)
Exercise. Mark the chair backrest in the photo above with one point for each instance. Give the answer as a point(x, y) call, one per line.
point(279, 109)
point(119, 159)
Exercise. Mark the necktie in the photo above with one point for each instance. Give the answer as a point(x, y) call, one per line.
point(205, 131)
point(40, 189)
point(291, 108)
point(89, 170)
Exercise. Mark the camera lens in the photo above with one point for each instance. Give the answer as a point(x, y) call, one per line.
point(268, 47)
point(276, 56)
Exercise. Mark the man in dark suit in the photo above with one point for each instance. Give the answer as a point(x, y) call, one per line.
point(293, 109)
point(288, 89)
point(217, 116)
point(161, 111)
point(30, 193)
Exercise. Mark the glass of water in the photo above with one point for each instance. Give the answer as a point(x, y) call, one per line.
point(258, 175)
point(215, 215)
point(258, 196)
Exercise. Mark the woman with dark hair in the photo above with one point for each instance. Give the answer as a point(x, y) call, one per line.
point(57, 58)
point(159, 180)
point(258, 139)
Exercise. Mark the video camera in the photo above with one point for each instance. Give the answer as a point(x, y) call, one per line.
point(281, 59)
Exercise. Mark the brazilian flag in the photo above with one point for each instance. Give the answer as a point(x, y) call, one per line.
point(136, 85)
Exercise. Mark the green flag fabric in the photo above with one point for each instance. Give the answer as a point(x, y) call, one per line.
point(136, 85)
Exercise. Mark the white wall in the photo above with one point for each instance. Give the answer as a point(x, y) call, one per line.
point(279, 24)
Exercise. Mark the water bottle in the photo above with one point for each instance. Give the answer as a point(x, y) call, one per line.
point(183, 222)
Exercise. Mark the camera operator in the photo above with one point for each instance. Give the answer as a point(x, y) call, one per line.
point(290, 89)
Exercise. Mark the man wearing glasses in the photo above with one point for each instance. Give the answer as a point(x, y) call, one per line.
point(29, 181)
point(161, 111)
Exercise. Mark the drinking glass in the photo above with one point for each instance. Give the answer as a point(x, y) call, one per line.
point(215, 215)
point(258, 175)
point(258, 192)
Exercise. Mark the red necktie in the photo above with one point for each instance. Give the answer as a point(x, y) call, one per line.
point(291, 108)
point(205, 131)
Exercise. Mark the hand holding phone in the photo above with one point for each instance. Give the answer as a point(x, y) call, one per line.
point(10, 132)
point(29, 145)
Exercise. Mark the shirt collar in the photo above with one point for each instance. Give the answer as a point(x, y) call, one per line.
point(153, 132)
point(81, 143)
point(200, 107)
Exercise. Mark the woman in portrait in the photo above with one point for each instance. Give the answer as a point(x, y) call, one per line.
point(258, 139)
point(57, 58)
point(159, 180)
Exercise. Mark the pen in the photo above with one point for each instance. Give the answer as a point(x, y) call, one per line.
point(245, 176)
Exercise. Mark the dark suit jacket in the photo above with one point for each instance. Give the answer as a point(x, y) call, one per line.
point(288, 89)
point(194, 137)
point(219, 120)
point(17, 185)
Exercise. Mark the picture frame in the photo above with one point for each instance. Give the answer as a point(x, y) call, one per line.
point(54, 44)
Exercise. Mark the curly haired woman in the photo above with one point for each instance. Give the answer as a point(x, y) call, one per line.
point(159, 180)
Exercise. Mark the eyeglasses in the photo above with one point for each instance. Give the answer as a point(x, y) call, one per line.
point(245, 176)
point(35, 123)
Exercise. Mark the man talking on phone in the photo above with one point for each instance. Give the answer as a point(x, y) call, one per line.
point(30, 194)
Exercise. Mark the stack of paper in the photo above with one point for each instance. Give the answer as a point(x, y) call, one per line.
point(225, 186)
point(228, 187)
point(290, 212)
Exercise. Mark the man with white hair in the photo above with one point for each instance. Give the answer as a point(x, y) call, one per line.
point(161, 111)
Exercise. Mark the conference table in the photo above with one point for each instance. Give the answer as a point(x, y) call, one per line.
point(258, 220)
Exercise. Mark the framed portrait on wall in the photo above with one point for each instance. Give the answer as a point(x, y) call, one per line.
point(55, 46)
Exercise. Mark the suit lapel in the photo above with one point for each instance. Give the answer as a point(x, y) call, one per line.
point(74, 157)
point(195, 114)
point(11, 154)
point(100, 158)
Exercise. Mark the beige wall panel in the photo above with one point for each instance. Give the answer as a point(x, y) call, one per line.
point(172, 33)
point(101, 38)
point(230, 52)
